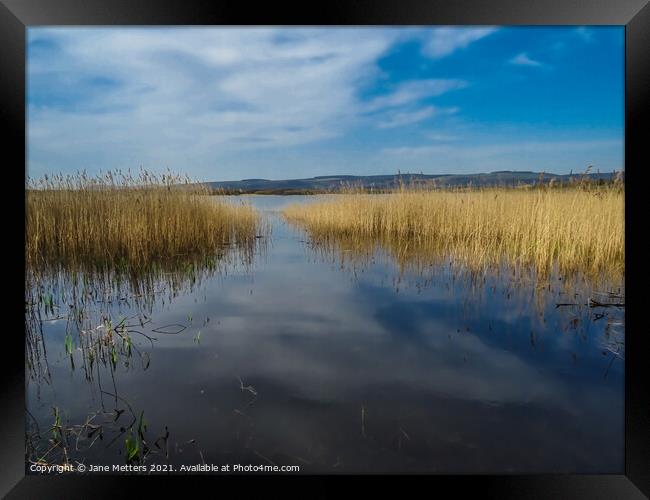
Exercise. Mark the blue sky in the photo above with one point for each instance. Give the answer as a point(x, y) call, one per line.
point(228, 104)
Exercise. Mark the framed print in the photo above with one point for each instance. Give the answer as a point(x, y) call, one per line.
point(326, 246)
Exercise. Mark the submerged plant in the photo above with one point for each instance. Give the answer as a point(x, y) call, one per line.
point(135, 444)
point(56, 426)
point(69, 345)
point(131, 448)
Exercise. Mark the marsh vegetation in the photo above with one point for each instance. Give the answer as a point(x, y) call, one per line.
point(124, 221)
point(91, 242)
point(569, 230)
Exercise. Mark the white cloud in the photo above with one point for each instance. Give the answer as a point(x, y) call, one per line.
point(407, 117)
point(401, 118)
point(585, 33)
point(446, 40)
point(415, 90)
point(228, 103)
point(523, 59)
point(184, 94)
point(435, 137)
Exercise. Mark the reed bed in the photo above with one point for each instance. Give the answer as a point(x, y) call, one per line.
point(568, 230)
point(119, 220)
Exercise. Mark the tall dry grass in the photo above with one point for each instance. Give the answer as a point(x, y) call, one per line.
point(120, 220)
point(578, 229)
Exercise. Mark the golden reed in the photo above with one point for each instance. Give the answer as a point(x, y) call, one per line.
point(574, 229)
point(121, 220)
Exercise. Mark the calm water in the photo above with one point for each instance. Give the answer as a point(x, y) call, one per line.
point(304, 359)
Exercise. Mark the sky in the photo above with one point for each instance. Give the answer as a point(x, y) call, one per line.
point(278, 103)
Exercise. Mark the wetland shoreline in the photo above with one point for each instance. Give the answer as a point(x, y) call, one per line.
point(283, 354)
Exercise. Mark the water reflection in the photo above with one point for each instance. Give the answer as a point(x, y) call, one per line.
point(300, 359)
point(98, 322)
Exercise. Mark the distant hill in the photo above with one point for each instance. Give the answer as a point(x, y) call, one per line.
point(383, 182)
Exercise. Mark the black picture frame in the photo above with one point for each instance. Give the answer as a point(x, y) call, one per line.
point(17, 15)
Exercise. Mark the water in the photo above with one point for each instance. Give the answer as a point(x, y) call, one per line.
point(340, 367)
